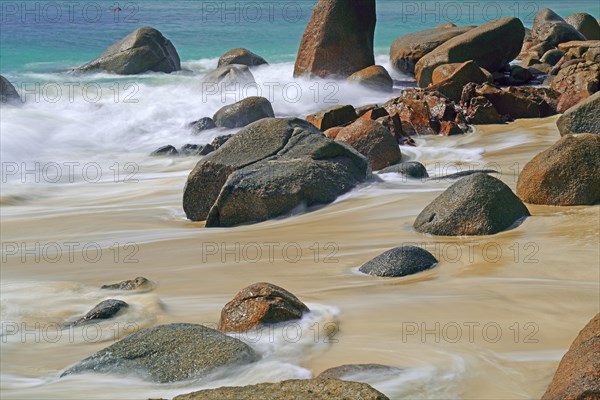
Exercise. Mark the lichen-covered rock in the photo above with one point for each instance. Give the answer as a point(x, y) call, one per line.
point(567, 174)
point(313, 389)
point(476, 205)
point(260, 304)
point(131, 284)
point(168, 353)
point(143, 50)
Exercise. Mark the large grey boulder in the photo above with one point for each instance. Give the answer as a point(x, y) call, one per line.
point(549, 27)
point(476, 205)
point(8, 93)
point(491, 46)
point(268, 169)
point(143, 50)
point(338, 39)
point(300, 389)
point(401, 261)
point(243, 112)
point(408, 49)
point(582, 118)
point(169, 353)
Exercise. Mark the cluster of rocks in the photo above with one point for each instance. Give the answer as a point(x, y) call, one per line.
point(188, 150)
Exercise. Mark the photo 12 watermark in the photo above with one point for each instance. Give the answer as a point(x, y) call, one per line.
point(466, 12)
point(61, 12)
point(68, 172)
point(55, 332)
point(230, 12)
point(270, 252)
point(469, 332)
point(71, 92)
point(69, 252)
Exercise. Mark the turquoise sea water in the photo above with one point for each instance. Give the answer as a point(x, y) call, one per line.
point(49, 36)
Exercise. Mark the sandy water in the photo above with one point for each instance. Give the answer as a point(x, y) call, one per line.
point(492, 320)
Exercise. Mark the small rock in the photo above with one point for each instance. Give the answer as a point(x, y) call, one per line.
point(260, 304)
point(167, 150)
point(220, 141)
point(332, 117)
point(133, 284)
point(552, 57)
point(452, 86)
point(202, 124)
point(374, 77)
point(241, 56)
point(104, 310)
point(401, 261)
point(354, 372)
point(244, 112)
point(476, 205)
point(481, 111)
point(519, 76)
point(567, 174)
point(228, 77)
point(411, 169)
point(191, 150)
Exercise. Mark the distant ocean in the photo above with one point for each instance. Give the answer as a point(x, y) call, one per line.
point(47, 36)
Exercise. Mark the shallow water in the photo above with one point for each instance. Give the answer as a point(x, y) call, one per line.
point(83, 205)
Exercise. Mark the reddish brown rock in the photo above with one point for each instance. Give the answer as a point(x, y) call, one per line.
point(374, 77)
point(332, 133)
point(491, 46)
point(578, 374)
point(459, 76)
point(375, 113)
point(576, 83)
point(338, 39)
point(586, 44)
point(482, 112)
point(373, 141)
point(449, 128)
point(567, 174)
point(585, 24)
point(408, 49)
point(332, 117)
point(394, 125)
point(260, 304)
point(520, 102)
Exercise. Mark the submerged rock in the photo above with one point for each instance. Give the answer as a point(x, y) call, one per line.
point(304, 389)
point(408, 49)
point(8, 93)
point(203, 124)
point(269, 169)
point(359, 372)
point(167, 150)
point(241, 56)
point(582, 118)
point(132, 284)
point(227, 77)
point(578, 371)
point(373, 141)
point(476, 205)
point(169, 353)
point(143, 50)
point(244, 112)
point(567, 174)
point(411, 169)
point(260, 304)
point(491, 46)
point(401, 261)
point(338, 39)
point(103, 310)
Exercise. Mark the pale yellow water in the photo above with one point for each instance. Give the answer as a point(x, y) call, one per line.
point(540, 290)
